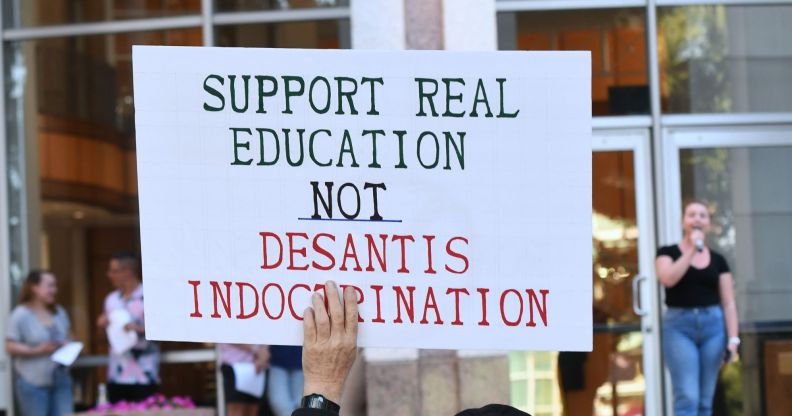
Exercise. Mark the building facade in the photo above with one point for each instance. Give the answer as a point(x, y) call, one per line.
point(692, 99)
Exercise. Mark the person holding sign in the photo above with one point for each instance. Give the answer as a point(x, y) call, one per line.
point(701, 311)
point(329, 351)
point(38, 328)
point(133, 371)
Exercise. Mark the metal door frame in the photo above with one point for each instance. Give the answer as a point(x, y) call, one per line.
point(697, 132)
point(637, 141)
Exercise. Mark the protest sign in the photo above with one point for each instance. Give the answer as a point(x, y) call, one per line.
point(451, 190)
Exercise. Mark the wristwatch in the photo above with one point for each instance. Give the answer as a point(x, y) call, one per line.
point(734, 340)
point(317, 401)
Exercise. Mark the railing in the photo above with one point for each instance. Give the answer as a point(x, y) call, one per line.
point(167, 357)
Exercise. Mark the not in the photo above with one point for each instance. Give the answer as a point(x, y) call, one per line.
point(347, 188)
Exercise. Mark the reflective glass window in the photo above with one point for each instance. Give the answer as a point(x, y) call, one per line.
point(316, 34)
point(72, 104)
point(259, 5)
point(609, 380)
point(58, 12)
point(747, 189)
point(719, 59)
point(615, 37)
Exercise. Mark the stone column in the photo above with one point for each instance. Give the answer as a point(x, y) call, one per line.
point(469, 25)
point(438, 382)
point(392, 382)
point(483, 378)
point(423, 21)
point(377, 24)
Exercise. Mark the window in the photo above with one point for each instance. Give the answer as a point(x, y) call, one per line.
point(315, 34)
point(615, 37)
point(57, 12)
point(259, 5)
point(719, 59)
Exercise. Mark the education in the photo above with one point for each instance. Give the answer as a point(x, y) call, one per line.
point(261, 146)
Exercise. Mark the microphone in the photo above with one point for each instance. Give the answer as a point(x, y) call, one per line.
point(699, 242)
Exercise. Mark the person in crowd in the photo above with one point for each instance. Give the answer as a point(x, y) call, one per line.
point(329, 351)
point(38, 327)
point(701, 312)
point(134, 374)
point(285, 379)
point(239, 403)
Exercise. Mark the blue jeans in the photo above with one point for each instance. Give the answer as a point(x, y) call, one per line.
point(54, 400)
point(284, 390)
point(694, 343)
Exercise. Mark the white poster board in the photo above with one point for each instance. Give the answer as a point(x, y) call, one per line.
point(453, 190)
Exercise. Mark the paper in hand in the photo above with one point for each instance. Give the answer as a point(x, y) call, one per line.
point(120, 340)
point(67, 354)
point(247, 380)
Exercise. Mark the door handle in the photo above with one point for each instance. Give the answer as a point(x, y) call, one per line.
point(636, 295)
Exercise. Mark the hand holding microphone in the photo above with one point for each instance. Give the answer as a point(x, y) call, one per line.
point(697, 235)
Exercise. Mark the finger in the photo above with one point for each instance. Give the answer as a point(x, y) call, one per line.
point(334, 307)
point(351, 310)
point(321, 318)
point(309, 326)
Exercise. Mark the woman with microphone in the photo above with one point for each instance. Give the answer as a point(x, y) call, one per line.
point(700, 329)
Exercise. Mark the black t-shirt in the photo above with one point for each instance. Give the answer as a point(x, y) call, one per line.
point(697, 287)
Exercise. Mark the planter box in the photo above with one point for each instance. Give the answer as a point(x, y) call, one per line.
point(199, 411)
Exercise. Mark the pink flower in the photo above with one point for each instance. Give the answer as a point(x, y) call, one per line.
point(150, 404)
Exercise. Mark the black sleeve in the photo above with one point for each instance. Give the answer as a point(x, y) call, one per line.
point(313, 412)
point(724, 266)
point(670, 251)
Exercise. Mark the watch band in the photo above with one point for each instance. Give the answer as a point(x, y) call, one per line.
point(317, 401)
point(734, 340)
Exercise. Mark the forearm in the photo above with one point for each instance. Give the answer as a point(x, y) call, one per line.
point(18, 349)
point(261, 357)
point(139, 328)
point(730, 316)
point(727, 303)
point(671, 274)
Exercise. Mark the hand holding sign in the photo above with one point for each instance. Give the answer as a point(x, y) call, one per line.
point(330, 344)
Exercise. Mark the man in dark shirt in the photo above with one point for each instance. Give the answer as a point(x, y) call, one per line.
point(329, 350)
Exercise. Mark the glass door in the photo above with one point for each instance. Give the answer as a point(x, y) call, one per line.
point(625, 293)
point(743, 173)
point(620, 376)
